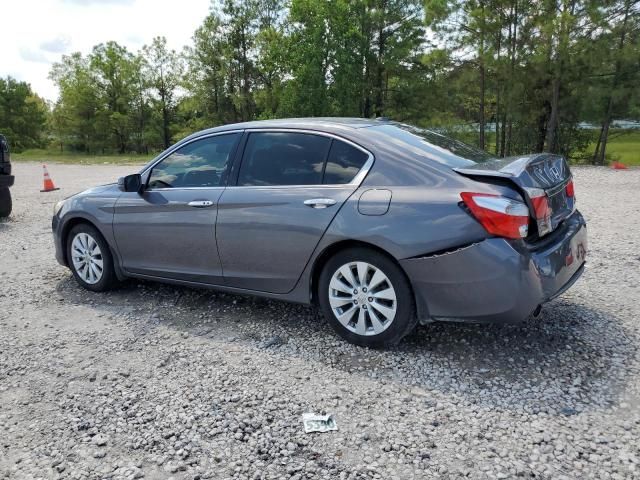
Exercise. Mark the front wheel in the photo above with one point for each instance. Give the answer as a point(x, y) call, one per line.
point(367, 298)
point(90, 259)
point(5, 202)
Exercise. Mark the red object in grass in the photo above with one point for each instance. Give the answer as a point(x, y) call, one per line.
point(618, 166)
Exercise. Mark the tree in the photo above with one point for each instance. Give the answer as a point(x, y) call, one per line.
point(345, 55)
point(23, 114)
point(270, 64)
point(76, 111)
point(529, 71)
point(620, 45)
point(467, 24)
point(162, 70)
point(114, 69)
point(222, 73)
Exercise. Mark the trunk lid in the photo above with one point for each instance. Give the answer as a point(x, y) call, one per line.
point(542, 179)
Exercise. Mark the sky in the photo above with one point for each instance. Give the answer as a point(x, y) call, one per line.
point(36, 33)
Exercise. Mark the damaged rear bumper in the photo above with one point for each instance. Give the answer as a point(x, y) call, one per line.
point(496, 280)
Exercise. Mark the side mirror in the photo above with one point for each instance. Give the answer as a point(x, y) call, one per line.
point(130, 183)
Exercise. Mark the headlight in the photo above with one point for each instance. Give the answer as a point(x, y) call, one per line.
point(58, 206)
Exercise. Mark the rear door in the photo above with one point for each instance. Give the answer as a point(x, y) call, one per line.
point(285, 197)
point(169, 229)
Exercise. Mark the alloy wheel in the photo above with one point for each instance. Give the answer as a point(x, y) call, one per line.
point(86, 257)
point(362, 298)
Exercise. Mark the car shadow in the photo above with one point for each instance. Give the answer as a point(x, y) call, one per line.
point(571, 359)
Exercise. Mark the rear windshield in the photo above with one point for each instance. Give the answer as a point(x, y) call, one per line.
point(434, 146)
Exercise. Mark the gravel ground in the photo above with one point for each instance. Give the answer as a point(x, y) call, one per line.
point(160, 382)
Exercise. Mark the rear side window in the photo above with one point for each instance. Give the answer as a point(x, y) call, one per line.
point(283, 158)
point(430, 145)
point(344, 163)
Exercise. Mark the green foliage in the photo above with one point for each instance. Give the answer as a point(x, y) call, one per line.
point(115, 101)
point(162, 70)
point(23, 114)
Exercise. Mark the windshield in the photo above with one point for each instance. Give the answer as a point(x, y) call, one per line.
point(434, 146)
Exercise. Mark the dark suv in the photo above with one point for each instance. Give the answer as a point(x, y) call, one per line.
point(6, 179)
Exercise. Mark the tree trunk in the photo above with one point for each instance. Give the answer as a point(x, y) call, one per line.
point(542, 132)
point(165, 127)
point(498, 91)
point(379, 100)
point(365, 95)
point(503, 135)
point(552, 125)
point(165, 120)
point(596, 153)
point(497, 123)
point(604, 136)
point(551, 140)
point(481, 139)
point(513, 38)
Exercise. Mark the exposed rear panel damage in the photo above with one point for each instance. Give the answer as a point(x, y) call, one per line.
point(496, 280)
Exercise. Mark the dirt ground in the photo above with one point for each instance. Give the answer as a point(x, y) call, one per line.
point(157, 381)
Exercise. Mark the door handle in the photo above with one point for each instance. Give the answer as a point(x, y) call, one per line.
point(320, 202)
point(200, 203)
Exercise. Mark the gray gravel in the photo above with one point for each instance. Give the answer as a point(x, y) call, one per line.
point(153, 381)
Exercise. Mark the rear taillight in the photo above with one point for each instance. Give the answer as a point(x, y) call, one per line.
point(571, 193)
point(541, 209)
point(498, 215)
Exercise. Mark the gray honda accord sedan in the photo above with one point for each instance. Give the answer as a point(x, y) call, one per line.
point(381, 224)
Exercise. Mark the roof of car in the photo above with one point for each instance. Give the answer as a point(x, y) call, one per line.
point(310, 123)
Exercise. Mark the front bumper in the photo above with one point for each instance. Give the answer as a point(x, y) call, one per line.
point(56, 226)
point(496, 280)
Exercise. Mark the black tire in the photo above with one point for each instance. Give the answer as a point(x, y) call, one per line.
point(5, 202)
point(108, 280)
point(404, 321)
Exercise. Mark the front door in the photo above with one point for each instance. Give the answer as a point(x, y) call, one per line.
point(168, 231)
point(290, 186)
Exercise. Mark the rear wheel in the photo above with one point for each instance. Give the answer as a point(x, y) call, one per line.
point(366, 298)
point(5, 202)
point(90, 259)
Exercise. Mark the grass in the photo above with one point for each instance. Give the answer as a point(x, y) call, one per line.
point(47, 156)
point(622, 147)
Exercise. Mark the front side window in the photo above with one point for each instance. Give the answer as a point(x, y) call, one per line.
point(202, 163)
point(283, 158)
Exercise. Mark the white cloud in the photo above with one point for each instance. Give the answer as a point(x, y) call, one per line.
point(30, 55)
point(59, 44)
point(100, 2)
point(40, 31)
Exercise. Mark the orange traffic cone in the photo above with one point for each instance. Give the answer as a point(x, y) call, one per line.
point(618, 166)
point(48, 183)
